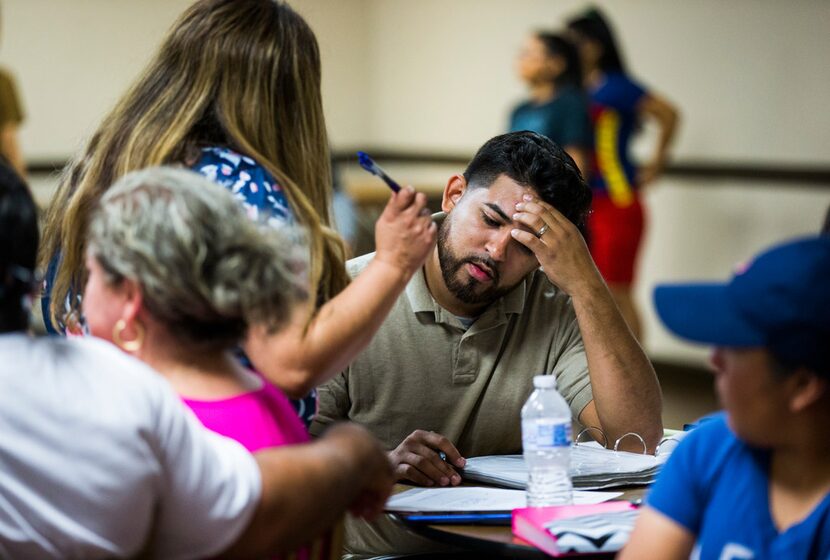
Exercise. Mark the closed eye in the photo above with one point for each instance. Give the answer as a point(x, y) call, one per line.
point(494, 223)
point(490, 221)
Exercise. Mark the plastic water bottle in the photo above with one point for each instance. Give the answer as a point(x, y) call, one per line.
point(546, 440)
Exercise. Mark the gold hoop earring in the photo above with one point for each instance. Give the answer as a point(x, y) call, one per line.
point(128, 345)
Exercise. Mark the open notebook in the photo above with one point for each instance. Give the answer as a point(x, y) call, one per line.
point(592, 468)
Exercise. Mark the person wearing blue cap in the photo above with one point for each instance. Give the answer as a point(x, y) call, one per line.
point(754, 482)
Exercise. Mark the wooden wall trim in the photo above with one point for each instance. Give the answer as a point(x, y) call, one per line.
point(706, 171)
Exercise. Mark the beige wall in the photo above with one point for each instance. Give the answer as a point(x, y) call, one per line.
point(73, 59)
point(342, 31)
point(750, 77)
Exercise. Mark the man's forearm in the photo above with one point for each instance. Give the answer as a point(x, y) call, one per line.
point(305, 489)
point(626, 392)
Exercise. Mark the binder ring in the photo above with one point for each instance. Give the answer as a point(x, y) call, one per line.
point(636, 435)
point(665, 440)
point(589, 429)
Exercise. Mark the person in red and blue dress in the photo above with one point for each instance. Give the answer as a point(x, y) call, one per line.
point(618, 105)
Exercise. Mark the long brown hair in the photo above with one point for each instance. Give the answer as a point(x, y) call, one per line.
point(239, 73)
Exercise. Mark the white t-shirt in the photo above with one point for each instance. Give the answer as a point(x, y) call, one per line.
point(100, 459)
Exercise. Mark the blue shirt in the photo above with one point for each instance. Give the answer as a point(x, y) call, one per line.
point(564, 119)
point(716, 486)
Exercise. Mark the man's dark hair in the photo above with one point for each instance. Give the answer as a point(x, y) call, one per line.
point(534, 161)
point(18, 249)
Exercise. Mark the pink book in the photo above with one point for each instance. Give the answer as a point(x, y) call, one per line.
point(575, 530)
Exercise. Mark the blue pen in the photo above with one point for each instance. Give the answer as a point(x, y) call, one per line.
point(369, 165)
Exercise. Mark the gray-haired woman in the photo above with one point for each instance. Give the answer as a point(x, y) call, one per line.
point(177, 272)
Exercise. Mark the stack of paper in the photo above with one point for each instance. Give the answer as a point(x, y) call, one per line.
point(592, 468)
point(475, 498)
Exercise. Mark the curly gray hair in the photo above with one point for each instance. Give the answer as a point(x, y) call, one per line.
point(205, 270)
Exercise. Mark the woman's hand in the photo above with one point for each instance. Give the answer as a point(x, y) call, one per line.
point(405, 233)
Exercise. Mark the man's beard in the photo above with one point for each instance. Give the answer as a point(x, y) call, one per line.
point(472, 291)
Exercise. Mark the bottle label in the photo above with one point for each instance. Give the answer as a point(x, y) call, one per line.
point(545, 434)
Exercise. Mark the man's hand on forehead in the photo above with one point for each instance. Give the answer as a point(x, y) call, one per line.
point(557, 244)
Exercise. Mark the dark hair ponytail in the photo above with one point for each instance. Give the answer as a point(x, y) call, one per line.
point(593, 25)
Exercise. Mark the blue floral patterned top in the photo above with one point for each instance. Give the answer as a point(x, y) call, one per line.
point(251, 183)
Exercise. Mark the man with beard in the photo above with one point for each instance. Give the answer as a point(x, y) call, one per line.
point(510, 292)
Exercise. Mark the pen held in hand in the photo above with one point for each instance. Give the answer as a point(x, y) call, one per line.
point(369, 165)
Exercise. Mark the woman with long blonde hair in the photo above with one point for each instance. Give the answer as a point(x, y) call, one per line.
point(234, 92)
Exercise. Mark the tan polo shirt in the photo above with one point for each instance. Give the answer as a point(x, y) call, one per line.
point(423, 370)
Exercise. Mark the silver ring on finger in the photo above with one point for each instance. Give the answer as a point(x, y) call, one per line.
point(542, 231)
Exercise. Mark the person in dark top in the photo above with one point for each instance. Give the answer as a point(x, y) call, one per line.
point(557, 106)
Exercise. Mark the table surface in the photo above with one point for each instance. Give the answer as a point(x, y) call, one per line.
point(497, 540)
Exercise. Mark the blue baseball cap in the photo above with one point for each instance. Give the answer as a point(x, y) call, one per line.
point(779, 301)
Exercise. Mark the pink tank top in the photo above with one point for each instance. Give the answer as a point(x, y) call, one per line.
point(258, 420)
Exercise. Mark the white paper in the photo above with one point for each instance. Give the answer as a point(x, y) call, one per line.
point(476, 498)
